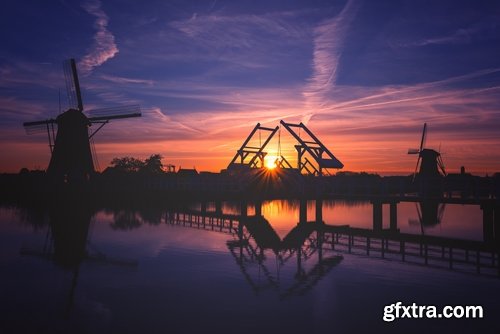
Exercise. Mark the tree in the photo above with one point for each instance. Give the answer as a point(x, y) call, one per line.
point(153, 164)
point(127, 164)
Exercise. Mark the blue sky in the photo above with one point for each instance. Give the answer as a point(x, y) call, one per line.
point(363, 75)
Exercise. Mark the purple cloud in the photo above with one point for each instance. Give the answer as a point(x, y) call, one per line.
point(104, 47)
point(329, 37)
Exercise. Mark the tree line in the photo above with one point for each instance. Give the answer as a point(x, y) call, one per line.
point(126, 165)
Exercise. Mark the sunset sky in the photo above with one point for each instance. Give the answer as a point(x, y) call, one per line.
point(363, 75)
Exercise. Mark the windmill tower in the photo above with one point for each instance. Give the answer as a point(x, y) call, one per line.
point(430, 160)
point(71, 154)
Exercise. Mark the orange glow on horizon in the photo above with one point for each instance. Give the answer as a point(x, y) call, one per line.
point(358, 154)
point(359, 149)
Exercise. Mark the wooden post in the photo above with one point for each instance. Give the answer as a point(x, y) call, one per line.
point(218, 207)
point(496, 223)
point(320, 236)
point(319, 210)
point(402, 249)
point(382, 243)
point(478, 262)
point(258, 208)
point(303, 211)
point(393, 216)
point(377, 215)
point(299, 263)
point(488, 222)
point(243, 208)
point(349, 242)
point(425, 252)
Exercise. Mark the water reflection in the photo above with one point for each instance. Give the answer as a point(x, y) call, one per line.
point(263, 258)
point(270, 234)
point(256, 236)
point(67, 241)
point(256, 245)
point(430, 213)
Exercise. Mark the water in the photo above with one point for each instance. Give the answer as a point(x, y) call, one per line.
point(139, 272)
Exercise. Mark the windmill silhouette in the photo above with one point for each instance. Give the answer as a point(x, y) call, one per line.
point(430, 160)
point(70, 146)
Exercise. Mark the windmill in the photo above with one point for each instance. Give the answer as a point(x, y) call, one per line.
point(430, 160)
point(71, 154)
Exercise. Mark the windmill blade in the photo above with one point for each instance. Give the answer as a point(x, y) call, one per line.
point(424, 132)
point(108, 118)
point(44, 122)
point(420, 217)
point(416, 168)
point(72, 85)
point(413, 151)
point(441, 164)
point(103, 116)
point(442, 207)
point(106, 114)
point(34, 129)
point(418, 211)
point(38, 126)
point(42, 126)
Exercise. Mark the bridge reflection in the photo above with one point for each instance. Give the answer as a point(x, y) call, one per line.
point(297, 261)
point(255, 242)
point(313, 248)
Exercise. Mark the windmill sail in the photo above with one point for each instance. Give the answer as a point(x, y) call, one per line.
point(422, 141)
point(72, 85)
point(114, 113)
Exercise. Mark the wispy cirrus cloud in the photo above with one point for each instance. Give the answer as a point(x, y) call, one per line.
point(329, 38)
point(12, 108)
point(123, 80)
point(19, 73)
point(240, 31)
point(427, 94)
point(459, 36)
point(484, 29)
point(244, 40)
point(104, 47)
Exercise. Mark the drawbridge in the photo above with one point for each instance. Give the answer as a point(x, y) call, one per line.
point(313, 157)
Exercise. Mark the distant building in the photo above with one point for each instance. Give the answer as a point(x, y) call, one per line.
point(187, 172)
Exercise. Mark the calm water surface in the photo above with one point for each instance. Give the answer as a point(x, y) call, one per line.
point(139, 272)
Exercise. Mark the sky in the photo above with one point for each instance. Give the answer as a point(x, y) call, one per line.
point(364, 76)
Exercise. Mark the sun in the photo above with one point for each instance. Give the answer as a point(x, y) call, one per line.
point(270, 161)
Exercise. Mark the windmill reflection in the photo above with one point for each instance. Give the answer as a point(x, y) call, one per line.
point(430, 213)
point(67, 243)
